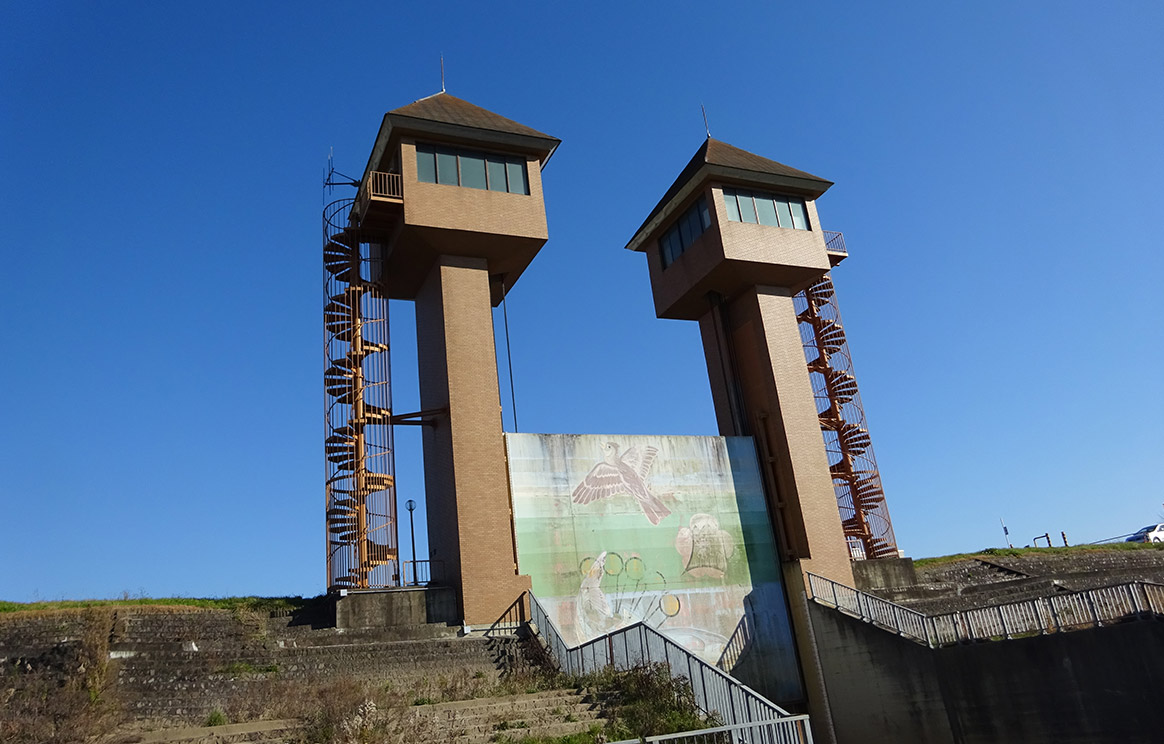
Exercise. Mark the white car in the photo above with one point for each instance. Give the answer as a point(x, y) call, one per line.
point(1153, 533)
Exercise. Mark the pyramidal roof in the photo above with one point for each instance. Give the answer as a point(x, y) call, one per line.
point(448, 109)
point(721, 153)
point(732, 164)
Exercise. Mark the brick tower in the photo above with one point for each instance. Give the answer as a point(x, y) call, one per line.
point(733, 239)
point(731, 243)
point(448, 215)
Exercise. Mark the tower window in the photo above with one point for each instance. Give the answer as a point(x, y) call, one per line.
point(766, 209)
point(474, 170)
point(683, 233)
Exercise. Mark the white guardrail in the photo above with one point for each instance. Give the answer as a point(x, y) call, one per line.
point(747, 715)
point(1054, 614)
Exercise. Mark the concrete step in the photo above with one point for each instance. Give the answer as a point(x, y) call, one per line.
point(542, 714)
point(299, 636)
point(255, 731)
point(518, 733)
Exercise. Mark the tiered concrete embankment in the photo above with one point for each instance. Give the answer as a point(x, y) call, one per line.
point(183, 664)
point(990, 578)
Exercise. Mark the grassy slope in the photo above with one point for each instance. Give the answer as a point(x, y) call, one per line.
point(988, 552)
point(253, 604)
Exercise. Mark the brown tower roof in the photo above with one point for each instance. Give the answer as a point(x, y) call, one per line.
point(447, 118)
point(448, 109)
point(733, 165)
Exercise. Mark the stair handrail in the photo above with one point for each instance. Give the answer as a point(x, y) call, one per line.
point(715, 691)
point(1042, 615)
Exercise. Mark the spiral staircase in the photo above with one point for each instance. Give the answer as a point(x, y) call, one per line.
point(856, 480)
point(361, 505)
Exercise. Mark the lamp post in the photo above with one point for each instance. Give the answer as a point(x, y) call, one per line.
point(410, 505)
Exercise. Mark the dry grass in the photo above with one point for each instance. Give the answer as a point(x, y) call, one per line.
point(987, 553)
point(167, 604)
point(62, 696)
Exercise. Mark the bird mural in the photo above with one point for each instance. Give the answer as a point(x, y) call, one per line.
point(623, 474)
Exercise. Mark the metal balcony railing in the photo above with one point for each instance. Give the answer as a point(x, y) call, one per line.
point(1043, 615)
point(835, 242)
point(379, 186)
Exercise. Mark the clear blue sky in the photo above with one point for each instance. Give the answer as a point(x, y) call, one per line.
point(998, 172)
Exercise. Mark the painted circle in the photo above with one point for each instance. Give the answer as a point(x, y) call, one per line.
point(669, 604)
point(614, 564)
point(635, 570)
point(586, 564)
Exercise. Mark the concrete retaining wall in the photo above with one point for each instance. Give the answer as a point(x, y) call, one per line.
point(1103, 684)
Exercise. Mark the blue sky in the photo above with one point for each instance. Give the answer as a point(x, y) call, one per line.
point(998, 172)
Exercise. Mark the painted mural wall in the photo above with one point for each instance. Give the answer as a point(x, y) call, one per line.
point(670, 531)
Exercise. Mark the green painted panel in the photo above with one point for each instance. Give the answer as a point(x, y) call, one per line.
point(671, 531)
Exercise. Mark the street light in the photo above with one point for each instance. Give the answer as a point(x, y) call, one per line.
point(410, 505)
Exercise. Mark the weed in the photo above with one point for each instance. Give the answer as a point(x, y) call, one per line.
point(216, 718)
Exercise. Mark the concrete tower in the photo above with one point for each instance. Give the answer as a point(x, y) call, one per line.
point(450, 213)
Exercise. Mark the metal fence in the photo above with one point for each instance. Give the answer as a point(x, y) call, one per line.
point(422, 573)
point(1054, 614)
point(715, 692)
point(783, 731)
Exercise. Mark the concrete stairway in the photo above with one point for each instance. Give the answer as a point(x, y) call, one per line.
point(182, 681)
point(551, 713)
point(257, 732)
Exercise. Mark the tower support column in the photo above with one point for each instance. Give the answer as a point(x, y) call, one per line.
point(466, 483)
point(752, 343)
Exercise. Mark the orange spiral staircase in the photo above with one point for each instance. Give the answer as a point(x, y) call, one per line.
point(856, 479)
point(361, 505)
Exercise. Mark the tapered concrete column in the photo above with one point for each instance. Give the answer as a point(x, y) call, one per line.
point(466, 484)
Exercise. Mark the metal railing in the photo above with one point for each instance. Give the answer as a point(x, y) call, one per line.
point(422, 573)
point(511, 620)
point(379, 185)
point(784, 731)
point(715, 692)
point(835, 242)
point(1054, 614)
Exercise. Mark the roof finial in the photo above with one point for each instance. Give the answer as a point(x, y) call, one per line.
point(705, 127)
point(442, 72)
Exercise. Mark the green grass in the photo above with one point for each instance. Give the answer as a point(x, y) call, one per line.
point(216, 718)
point(250, 604)
point(1019, 552)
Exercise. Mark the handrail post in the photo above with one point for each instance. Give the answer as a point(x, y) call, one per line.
point(835, 603)
point(1094, 611)
point(897, 619)
point(1002, 620)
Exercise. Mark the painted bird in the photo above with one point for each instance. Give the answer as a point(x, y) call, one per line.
point(622, 474)
point(592, 609)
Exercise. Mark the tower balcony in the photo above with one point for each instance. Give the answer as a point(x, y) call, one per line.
point(835, 246)
point(379, 201)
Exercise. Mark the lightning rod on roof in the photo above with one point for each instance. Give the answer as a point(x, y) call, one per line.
point(442, 72)
point(705, 127)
